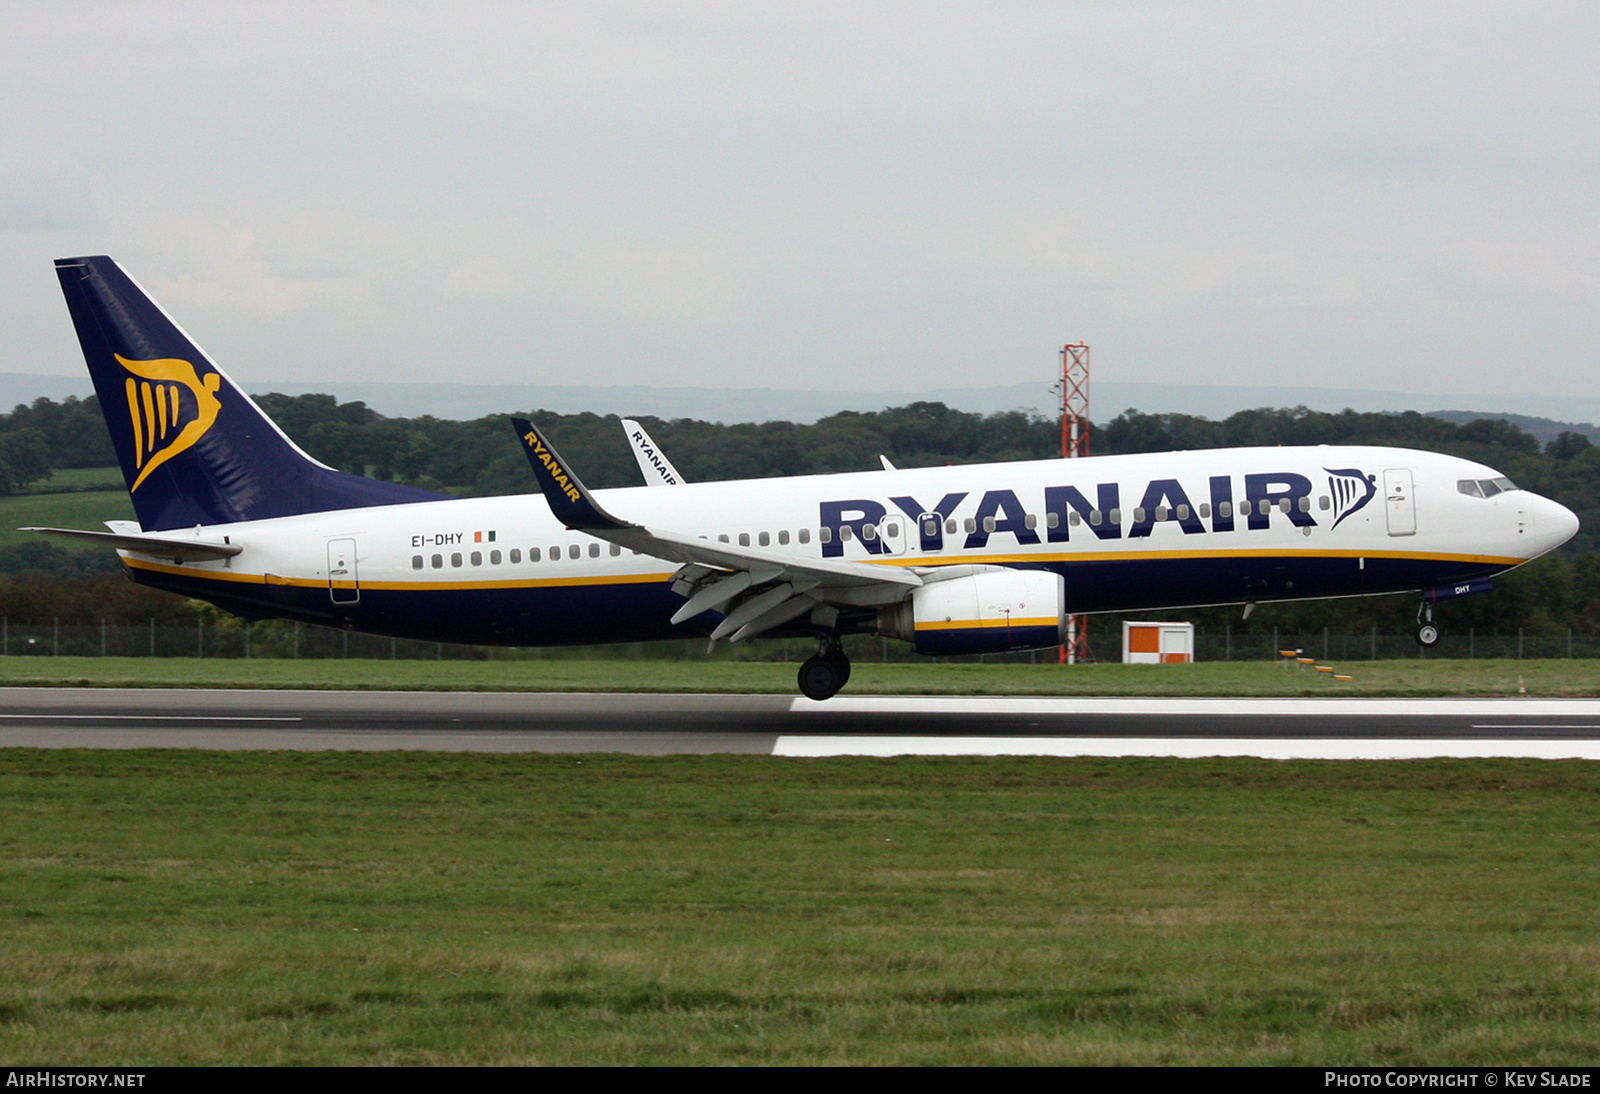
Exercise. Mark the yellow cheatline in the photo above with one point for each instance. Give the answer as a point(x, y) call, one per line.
point(1134, 555)
point(396, 586)
point(979, 624)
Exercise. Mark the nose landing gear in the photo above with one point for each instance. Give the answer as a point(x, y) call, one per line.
point(1427, 634)
point(826, 671)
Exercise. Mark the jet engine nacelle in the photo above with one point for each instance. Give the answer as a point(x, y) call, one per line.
point(988, 612)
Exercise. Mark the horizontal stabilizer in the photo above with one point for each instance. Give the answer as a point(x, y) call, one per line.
point(178, 550)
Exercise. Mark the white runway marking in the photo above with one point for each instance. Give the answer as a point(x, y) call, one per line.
point(997, 704)
point(155, 717)
point(1188, 748)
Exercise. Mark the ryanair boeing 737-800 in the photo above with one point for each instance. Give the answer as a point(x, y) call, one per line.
point(968, 559)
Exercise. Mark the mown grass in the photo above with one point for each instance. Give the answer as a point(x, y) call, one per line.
point(64, 479)
point(195, 908)
point(1549, 678)
point(80, 508)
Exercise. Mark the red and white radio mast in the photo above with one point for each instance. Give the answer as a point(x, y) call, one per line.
point(1075, 442)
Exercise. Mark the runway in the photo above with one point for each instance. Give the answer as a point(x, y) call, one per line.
point(657, 724)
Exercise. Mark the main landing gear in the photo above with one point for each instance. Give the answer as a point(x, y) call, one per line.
point(826, 671)
point(1427, 633)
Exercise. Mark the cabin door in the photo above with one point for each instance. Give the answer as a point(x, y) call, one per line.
point(895, 533)
point(1399, 501)
point(343, 584)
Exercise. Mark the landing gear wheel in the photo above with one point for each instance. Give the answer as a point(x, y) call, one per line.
point(826, 672)
point(822, 676)
point(1427, 633)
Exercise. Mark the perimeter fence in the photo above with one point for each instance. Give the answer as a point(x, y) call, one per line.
point(277, 639)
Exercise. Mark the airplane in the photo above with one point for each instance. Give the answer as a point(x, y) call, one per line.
point(955, 559)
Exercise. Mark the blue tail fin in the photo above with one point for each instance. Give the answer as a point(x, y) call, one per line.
point(194, 448)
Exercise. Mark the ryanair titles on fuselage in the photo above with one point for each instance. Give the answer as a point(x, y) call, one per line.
point(1287, 493)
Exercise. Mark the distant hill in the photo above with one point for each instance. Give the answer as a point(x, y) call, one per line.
point(1545, 429)
point(462, 402)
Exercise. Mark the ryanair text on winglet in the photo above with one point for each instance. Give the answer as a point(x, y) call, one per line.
point(557, 472)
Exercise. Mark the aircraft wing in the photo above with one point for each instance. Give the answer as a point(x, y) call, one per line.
point(178, 550)
point(770, 588)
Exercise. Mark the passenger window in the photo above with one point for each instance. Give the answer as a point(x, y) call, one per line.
point(1183, 512)
point(477, 558)
point(744, 539)
point(615, 550)
point(555, 553)
point(845, 532)
point(574, 551)
point(1030, 521)
point(1094, 517)
point(1225, 509)
point(1052, 520)
point(805, 535)
point(455, 558)
point(783, 537)
point(1205, 510)
point(722, 538)
point(1161, 512)
point(1073, 518)
point(438, 562)
point(516, 554)
point(1322, 503)
point(594, 550)
point(869, 532)
point(1115, 516)
point(972, 526)
point(1138, 515)
point(416, 562)
point(494, 558)
point(1304, 504)
point(950, 527)
point(764, 539)
point(988, 524)
point(894, 530)
point(1283, 505)
point(825, 535)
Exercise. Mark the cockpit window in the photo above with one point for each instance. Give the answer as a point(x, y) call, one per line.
point(1485, 488)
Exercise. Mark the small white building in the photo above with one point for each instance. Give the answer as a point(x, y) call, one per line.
point(1157, 643)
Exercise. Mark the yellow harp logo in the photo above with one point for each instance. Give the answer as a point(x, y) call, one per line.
point(164, 422)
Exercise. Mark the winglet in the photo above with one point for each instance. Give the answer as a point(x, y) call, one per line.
point(569, 499)
point(653, 463)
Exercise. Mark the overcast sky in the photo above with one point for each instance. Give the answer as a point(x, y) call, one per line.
point(845, 196)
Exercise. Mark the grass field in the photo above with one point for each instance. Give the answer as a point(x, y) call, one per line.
point(1548, 678)
point(176, 908)
point(81, 509)
point(79, 478)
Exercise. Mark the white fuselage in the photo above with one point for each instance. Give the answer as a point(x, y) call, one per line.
point(1125, 532)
